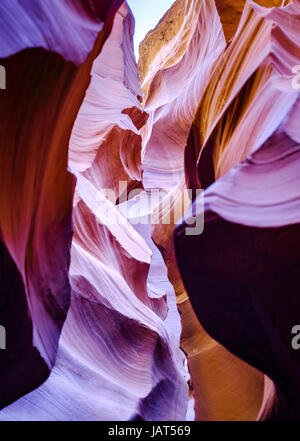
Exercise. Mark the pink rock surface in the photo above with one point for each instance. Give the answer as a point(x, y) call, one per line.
point(243, 280)
point(117, 358)
point(39, 105)
point(95, 294)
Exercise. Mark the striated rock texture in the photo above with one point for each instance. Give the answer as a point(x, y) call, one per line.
point(47, 73)
point(159, 42)
point(149, 230)
point(235, 390)
point(118, 356)
point(248, 94)
point(241, 273)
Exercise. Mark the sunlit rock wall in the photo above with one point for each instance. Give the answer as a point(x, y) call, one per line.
point(245, 71)
point(118, 356)
point(242, 272)
point(95, 293)
point(47, 73)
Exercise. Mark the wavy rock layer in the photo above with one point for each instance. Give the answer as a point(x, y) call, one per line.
point(234, 391)
point(243, 281)
point(118, 355)
point(39, 109)
point(84, 147)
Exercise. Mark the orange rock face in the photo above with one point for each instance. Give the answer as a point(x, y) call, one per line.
point(149, 214)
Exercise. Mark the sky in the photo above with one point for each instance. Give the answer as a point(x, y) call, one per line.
point(147, 14)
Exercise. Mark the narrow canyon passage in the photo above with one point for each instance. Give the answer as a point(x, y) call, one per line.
point(149, 210)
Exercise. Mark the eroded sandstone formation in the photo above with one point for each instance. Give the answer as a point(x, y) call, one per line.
point(142, 308)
